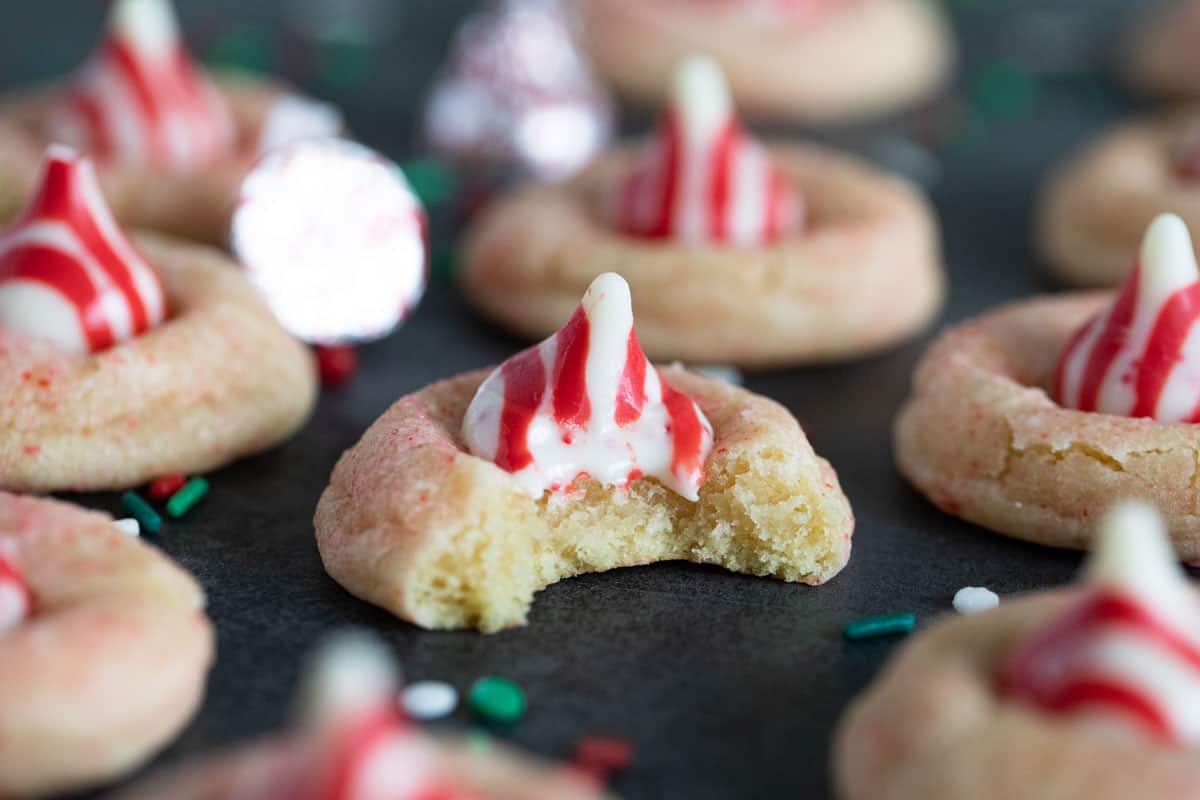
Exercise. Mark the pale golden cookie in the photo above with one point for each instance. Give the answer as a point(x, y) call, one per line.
point(193, 205)
point(865, 274)
point(220, 379)
point(111, 664)
point(933, 726)
point(983, 440)
point(413, 523)
point(853, 59)
point(1096, 207)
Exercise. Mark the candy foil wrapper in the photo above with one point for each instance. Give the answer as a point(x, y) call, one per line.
point(517, 93)
point(334, 238)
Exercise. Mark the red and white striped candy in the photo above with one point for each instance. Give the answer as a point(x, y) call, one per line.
point(1129, 653)
point(16, 601)
point(142, 100)
point(363, 749)
point(701, 178)
point(1140, 357)
point(67, 272)
point(586, 401)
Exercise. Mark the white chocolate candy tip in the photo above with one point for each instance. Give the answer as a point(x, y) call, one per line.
point(146, 24)
point(1133, 552)
point(701, 93)
point(351, 672)
point(1167, 257)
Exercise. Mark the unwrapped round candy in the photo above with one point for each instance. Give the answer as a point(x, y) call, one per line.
point(335, 239)
point(518, 92)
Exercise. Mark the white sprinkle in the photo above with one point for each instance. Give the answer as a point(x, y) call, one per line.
point(425, 700)
point(128, 525)
point(722, 372)
point(973, 599)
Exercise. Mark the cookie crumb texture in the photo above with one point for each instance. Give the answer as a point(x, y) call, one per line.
point(413, 523)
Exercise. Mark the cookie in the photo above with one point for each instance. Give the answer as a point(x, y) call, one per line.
point(105, 660)
point(349, 742)
point(172, 143)
point(1032, 419)
point(831, 259)
point(414, 522)
point(1095, 207)
point(810, 62)
point(1086, 693)
point(126, 359)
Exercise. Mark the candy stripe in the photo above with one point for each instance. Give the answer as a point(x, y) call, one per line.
point(354, 750)
point(1162, 350)
point(16, 601)
point(570, 391)
point(1108, 346)
point(1070, 667)
point(145, 101)
point(1084, 694)
point(67, 240)
point(631, 393)
point(704, 178)
point(58, 271)
point(599, 410)
point(1134, 358)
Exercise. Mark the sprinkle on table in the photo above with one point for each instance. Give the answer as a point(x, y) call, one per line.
point(336, 363)
point(883, 625)
point(497, 700)
point(974, 599)
point(167, 485)
point(600, 756)
point(186, 498)
point(139, 509)
point(429, 700)
point(129, 526)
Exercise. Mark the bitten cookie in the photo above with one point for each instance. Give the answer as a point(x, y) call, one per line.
point(1034, 418)
point(575, 456)
point(172, 144)
point(829, 61)
point(735, 252)
point(1088, 694)
point(122, 360)
point(104, 648)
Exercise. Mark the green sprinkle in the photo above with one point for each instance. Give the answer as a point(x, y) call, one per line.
point(432, 179)
point(140, 510)
point(1004, 90)
point(444, 263)
point(186, 498)
point(497, 700)
point(883, 625)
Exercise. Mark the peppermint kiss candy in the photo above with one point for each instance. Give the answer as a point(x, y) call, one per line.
point(1129, 652)
point(517, 90)
point(142, 100)
point(586, 401)
point(67, 273)
point(362, 748)
point(1141, 356)
point(701, 179)
point(334, 238)
point(16, 603)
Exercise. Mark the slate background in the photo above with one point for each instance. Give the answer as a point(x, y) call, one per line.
point(729, 686)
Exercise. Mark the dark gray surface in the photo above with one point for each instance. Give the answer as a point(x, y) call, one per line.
point(729, 686)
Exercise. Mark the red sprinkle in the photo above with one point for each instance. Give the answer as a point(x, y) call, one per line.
point(167, 485)
point(337, 364)
point(601, 755)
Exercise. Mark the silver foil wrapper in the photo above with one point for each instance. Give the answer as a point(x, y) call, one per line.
point(517, 93)
point(334, 238)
